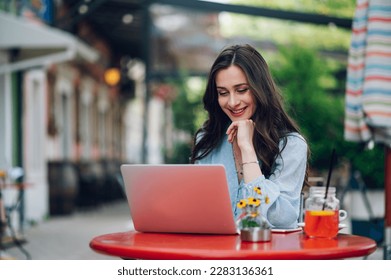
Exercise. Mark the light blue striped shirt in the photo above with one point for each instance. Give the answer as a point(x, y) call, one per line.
point(283, 187)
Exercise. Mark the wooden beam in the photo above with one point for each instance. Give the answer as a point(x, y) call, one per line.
point(259, 11)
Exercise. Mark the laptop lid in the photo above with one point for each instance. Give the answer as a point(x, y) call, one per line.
point(179, 198)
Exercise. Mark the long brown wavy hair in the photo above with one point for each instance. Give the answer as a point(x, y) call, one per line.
point(272, 123)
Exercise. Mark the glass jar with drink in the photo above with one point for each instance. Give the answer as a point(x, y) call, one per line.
point(322, 213)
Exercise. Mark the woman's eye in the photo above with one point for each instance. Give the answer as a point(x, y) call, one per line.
point(242, 90)
point(221, 93)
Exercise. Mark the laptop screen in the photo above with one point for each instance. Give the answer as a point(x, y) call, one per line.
point(179, 198)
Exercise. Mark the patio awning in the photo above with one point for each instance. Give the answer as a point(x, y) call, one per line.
point(368, 88)
point(36, 44)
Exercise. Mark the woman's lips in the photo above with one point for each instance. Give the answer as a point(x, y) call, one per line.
point(238, 112)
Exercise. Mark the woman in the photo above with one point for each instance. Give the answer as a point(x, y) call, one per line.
point(249, 132)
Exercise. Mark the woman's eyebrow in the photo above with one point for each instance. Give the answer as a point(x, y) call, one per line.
point(238, 85)
point(241, 84)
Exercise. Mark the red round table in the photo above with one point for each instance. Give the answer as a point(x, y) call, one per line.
point(295, 245)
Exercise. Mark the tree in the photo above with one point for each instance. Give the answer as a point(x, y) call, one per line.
point(188, 115)
point(301, 73)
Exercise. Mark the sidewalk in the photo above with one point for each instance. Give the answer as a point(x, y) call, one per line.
point(68, 237)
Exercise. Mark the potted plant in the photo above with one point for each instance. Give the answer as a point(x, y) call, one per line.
point(253, 226)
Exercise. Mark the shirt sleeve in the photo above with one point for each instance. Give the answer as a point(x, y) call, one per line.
point(284, 185)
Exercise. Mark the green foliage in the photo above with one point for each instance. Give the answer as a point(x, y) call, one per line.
point(285, 32)
point(268, 30)
point(320, 115)
point(184, 112)
point(180, 154)
point(187, 107)
point(340, 8)
point(188, 115)
point(370, 162)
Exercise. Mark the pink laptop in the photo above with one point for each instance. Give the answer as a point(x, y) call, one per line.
point(179, 198)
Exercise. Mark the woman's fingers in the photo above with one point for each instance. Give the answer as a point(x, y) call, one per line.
point(232, 134)
point(232, 127)
point(244, 127)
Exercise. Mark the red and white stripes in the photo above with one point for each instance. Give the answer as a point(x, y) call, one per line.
point(368, 86)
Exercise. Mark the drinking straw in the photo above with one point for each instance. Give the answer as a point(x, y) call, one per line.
point(329, 176)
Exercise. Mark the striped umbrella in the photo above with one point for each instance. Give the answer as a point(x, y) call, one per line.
point(368, 87)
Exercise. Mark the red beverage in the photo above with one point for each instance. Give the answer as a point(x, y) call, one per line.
point(321, 223)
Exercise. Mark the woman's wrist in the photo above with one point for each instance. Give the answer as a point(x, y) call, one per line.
point(249, 162)
point(248, 154)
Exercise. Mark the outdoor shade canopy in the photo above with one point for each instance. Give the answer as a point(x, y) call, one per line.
point(368, 88)
point(37, 44)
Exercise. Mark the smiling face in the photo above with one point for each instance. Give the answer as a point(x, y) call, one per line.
point(234, 93)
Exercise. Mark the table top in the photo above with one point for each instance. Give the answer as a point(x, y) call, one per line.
point(294, 245)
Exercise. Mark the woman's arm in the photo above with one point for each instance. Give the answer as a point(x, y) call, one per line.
point(240, 134)
point(284, 185)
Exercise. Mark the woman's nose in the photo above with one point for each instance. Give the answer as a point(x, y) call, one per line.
point(233, 100)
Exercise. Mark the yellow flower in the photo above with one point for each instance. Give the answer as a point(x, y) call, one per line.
point(254, 201)
point(267, 200)
point(258, 190)
point(254, 214)
point(242, 203)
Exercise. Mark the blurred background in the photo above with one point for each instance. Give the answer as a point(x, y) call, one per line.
point(86, 85)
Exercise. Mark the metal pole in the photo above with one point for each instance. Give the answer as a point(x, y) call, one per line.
point(147, 61)
point(387, 195)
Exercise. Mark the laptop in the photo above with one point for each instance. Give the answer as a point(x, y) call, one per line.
point(176, 198)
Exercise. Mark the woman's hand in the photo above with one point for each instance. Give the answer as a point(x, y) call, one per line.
point(243, 131)
point(240, 134)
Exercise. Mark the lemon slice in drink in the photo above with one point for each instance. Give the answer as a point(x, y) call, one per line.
point(322, 213)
